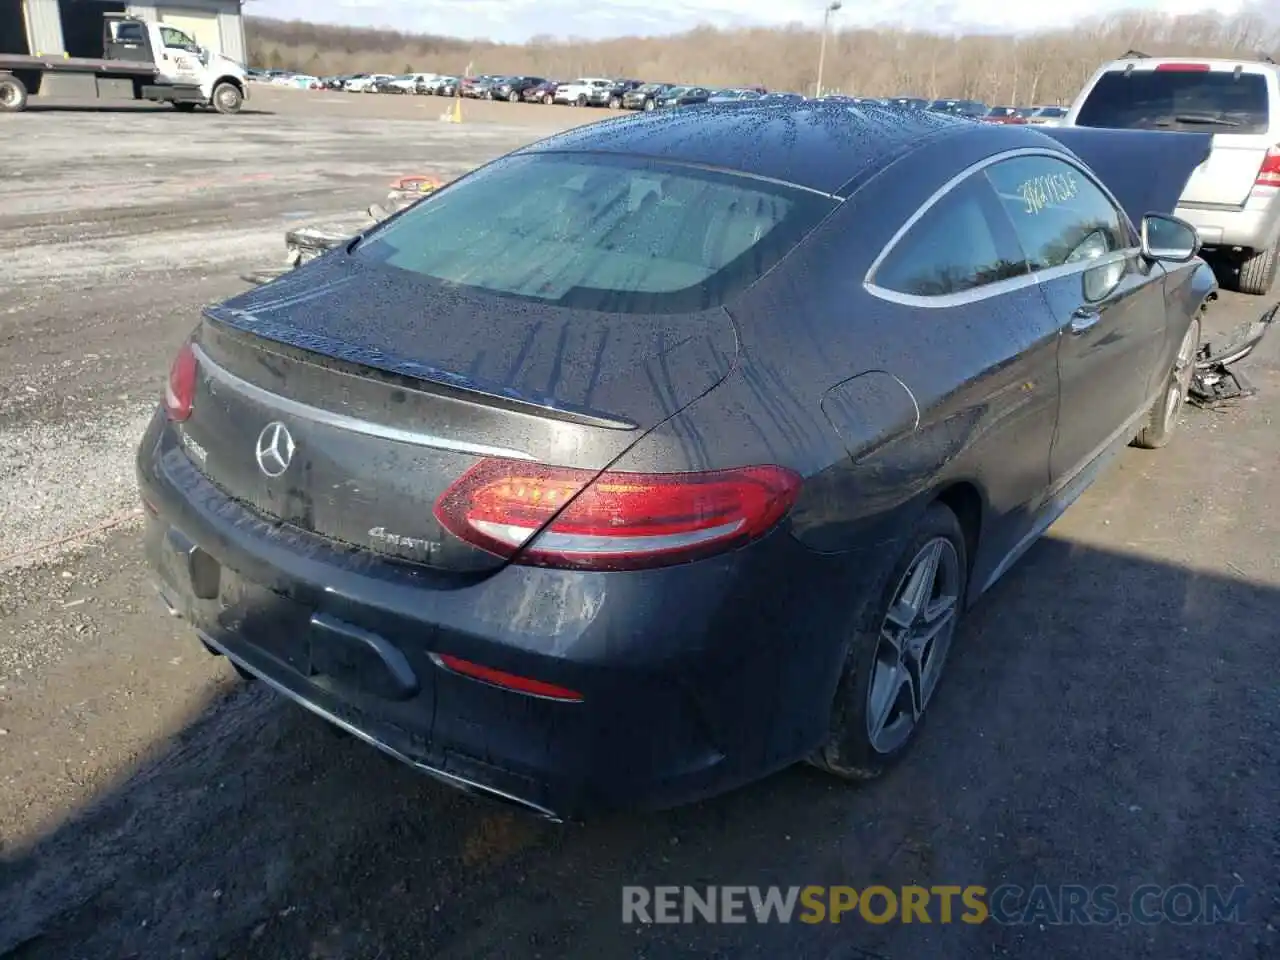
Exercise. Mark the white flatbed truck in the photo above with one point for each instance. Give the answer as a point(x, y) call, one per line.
point(141, 60)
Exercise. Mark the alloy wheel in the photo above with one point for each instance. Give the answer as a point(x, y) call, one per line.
point(912, 647)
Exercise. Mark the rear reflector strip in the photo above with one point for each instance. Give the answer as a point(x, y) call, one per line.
point(507, 681)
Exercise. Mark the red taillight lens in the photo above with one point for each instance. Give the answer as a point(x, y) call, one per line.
point(1269, 172)
point(617, 521)
point(508, 681)
point(181, 389)
point(1182, 67)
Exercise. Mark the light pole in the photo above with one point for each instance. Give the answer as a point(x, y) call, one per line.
point(822, 49)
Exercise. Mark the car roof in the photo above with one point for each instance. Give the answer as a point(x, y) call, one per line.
point(814, 144)
point(1215, 63)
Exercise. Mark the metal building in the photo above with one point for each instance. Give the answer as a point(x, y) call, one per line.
point(216, 24)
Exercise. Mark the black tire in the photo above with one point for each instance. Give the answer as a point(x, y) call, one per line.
point(513, 96)
point(1258, 272)
point(849, 752)
point(582, 100)
point(227, 98)
point(1162, 419)
point(182, 107)
point(615, 103)
point(13, 94)
point(547, 99)
point(650, 105)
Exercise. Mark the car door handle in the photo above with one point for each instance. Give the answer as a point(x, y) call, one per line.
point(1084, 319)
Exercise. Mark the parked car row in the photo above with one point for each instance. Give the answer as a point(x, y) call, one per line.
point(626, 94)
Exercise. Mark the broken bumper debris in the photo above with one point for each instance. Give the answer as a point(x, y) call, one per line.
point(308, 242)
point(1213, 383)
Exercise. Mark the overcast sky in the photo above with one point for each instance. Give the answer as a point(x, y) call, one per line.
point(517, 20)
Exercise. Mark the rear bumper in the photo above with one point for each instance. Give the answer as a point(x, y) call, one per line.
point(694, 679)
point(1255, 226)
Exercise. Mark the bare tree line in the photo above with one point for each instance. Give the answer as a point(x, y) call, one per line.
point(1047, 67)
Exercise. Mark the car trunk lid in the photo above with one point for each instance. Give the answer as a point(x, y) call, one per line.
point(343, 404)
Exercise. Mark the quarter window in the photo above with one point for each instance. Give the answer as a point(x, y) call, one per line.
point(962, 242)
point(1060, 215)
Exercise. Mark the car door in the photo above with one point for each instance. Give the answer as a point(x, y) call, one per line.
point(1108, 301)
point(179, 61)
point(984, 371)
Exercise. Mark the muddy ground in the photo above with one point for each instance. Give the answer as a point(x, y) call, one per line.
point(1110, 716)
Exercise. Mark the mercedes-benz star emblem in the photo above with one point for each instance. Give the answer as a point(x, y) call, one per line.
point(275, 449)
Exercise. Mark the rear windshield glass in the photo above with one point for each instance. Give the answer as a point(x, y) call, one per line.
point(1203, 101)
point(618, 235)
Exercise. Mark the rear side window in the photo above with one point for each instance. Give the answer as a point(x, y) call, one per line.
point(613, 234)
point(961, 243)
point(1201, 101)
point(1060, 215)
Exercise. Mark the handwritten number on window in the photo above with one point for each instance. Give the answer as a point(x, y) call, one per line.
point(1050, 190)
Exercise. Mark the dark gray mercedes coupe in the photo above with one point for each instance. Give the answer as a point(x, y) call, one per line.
point(666, 452)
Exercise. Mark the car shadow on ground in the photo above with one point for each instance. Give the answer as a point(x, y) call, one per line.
point(1106, 719)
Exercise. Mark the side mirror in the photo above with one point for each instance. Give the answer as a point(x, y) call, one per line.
point(1170, 239)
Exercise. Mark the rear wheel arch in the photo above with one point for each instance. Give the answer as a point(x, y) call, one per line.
point(965, 501)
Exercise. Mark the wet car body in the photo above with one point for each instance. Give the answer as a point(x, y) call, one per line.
point(343, 580)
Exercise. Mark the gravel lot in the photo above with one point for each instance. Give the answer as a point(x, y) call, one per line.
point(1111, 713)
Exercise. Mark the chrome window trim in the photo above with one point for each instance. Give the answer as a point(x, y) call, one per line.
point(1000, 287)
point(342, 421)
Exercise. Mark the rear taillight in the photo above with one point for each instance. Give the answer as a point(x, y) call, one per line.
point(616, 521)
point(180, 392)
point(1182, 67)
point(1269, 172)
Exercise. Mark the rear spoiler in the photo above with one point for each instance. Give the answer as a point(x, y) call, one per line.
point(1147, 170)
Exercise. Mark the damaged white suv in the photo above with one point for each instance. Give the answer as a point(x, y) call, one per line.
point(1233, 199)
